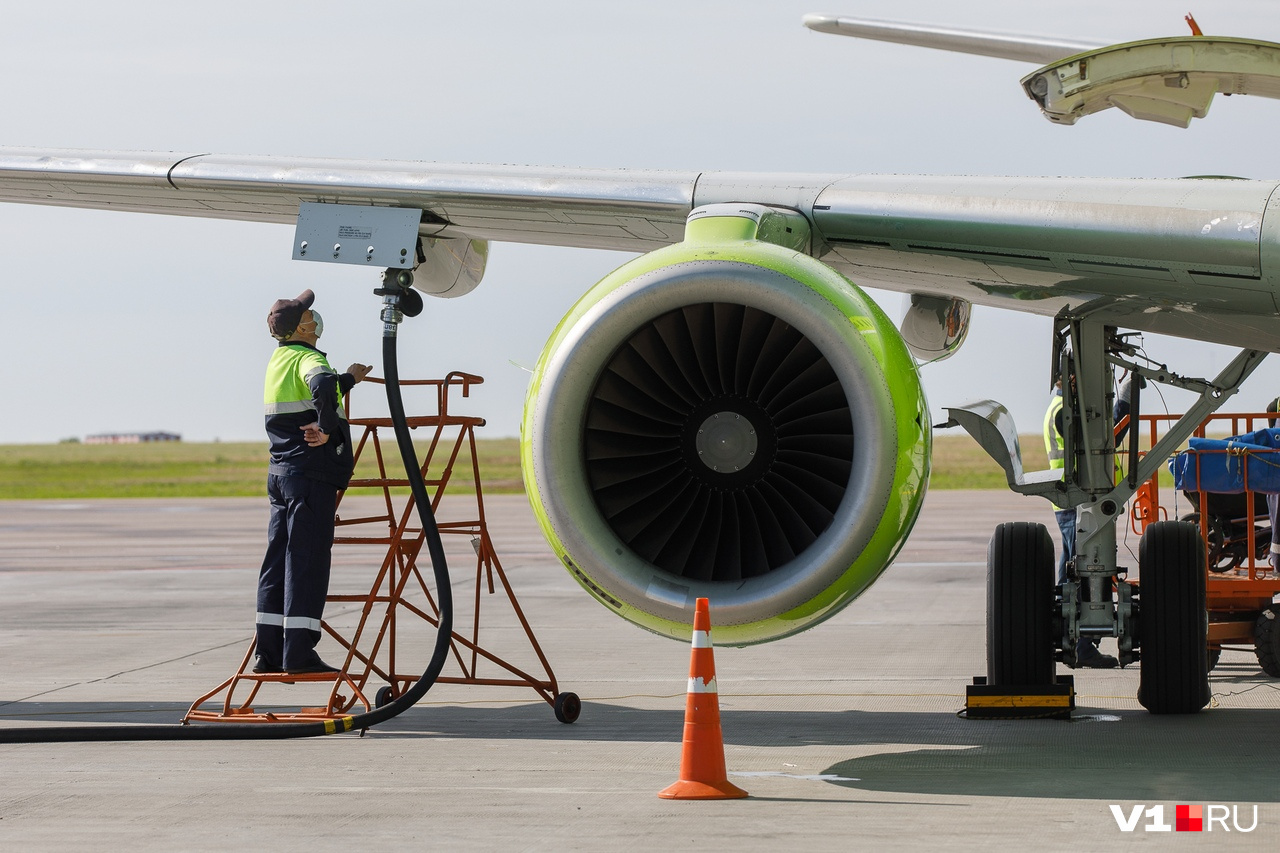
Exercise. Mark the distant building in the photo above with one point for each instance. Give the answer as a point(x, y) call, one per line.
point(131, 437)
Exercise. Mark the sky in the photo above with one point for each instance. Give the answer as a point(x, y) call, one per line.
point(116, 322)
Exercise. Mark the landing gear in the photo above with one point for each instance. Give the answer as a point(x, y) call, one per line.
point(1020, 606)
point(1164, 624)
point(1173, 624)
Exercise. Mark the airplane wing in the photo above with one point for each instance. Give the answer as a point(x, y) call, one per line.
point(1023, 48)
point(605, 209)
point(1194, 258)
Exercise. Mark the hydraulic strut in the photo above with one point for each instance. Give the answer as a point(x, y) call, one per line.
point(398, 301)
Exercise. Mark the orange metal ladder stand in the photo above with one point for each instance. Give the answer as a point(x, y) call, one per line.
point(399, 596)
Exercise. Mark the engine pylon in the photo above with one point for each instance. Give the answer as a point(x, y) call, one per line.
point(702, 769)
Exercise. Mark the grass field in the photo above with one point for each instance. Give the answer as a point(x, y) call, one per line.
point(201, 470)
point(230, 469)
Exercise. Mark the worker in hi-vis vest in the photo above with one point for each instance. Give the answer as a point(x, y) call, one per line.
point(311, 459)
point(1087, 653)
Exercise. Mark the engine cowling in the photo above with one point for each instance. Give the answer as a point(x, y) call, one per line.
point(726, 418)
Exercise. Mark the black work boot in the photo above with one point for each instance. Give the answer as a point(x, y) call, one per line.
point(270, 649)
point(1088, 657)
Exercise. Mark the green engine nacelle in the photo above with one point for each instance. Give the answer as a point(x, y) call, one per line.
point(726, 418)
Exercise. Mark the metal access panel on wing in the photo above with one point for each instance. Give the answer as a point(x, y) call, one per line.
point(354, 234)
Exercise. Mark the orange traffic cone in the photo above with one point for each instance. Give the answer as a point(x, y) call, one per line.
point(702, 773)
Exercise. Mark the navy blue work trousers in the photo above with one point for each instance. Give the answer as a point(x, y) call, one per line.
point(295, 571)
point(1067, 527)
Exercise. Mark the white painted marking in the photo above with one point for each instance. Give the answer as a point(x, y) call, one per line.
point(816, 777)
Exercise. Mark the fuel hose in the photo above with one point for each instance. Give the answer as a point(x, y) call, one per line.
point(391, 315)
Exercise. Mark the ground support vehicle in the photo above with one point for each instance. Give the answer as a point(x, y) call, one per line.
point(1241, 585)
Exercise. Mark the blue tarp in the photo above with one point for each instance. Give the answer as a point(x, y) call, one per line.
point(1223, 463)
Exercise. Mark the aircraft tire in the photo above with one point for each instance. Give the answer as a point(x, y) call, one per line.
point(1173, 622)
point(1266, 640)
point(1020, 605)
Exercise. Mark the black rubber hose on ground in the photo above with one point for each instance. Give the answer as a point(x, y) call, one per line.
point(279, 731)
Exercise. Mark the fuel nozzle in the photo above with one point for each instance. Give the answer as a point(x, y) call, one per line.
point(399, 299)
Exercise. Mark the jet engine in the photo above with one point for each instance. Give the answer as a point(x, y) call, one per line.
point(726, 418)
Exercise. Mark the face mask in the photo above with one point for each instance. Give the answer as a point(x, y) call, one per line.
point(319, 321)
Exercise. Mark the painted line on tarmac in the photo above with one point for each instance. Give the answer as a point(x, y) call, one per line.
point(816, 777)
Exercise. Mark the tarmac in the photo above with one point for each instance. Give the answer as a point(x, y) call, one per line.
point(846, 736)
